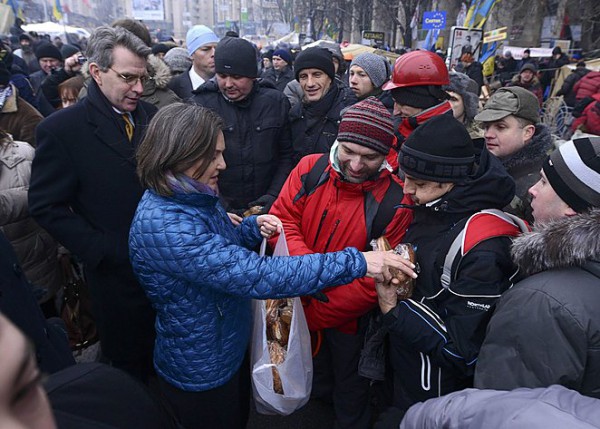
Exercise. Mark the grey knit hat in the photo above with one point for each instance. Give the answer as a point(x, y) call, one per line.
point(466, 87)
point(375, 66)
point(178, 60)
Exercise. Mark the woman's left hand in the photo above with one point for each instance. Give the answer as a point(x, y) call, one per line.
point(268, 225)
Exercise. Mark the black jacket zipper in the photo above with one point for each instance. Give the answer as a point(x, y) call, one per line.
point(323, 216)
point(337, 222)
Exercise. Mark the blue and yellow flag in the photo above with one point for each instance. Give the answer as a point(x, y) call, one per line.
point(479, 12)
point(57, 10)
point(487, 58)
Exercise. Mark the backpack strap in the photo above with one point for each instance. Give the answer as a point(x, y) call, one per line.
point(315, 177)
point(386, 210)
point(481, 226)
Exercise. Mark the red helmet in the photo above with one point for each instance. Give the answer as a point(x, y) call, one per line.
point(418, 68)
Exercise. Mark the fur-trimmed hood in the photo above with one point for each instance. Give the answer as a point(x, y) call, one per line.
point(565, 242)
point(159, 71)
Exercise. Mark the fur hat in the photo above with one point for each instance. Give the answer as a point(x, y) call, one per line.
point(466, 87)
point(573, 171)
point(317, 58)
point(368, 123)
point(440, 150)
point(178, 60)
point(198, 36)
point(235, 56)
point(376, 66)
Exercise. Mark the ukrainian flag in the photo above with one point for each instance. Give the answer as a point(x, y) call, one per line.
point(57, 10)
point(479, 12)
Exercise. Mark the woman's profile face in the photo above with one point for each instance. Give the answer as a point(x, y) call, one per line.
point(23, 402)
point(210, 176)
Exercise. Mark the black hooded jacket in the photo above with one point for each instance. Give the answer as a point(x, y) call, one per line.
point(315, 125)
point(258, 147)
point(435, 336)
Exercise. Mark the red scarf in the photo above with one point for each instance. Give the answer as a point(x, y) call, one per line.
point(409, 124)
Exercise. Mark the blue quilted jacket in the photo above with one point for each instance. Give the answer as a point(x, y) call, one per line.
point(196, 269)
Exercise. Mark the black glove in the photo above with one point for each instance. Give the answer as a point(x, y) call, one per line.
point(266, 201)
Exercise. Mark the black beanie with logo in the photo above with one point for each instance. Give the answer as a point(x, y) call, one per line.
point(440, 150)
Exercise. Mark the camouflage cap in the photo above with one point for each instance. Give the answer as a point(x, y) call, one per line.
point(515, 101)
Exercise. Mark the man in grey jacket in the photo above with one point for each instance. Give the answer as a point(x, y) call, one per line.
point(546, 329)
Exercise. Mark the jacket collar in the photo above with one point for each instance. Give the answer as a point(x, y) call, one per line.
point(538, 148)
point(107, 125)
point(566, 242)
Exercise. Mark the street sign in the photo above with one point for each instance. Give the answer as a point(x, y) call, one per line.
point(434, 20)
point(495, 35)
point(373, 35)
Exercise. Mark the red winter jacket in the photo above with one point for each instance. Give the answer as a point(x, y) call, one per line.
point(330, 219)
point(589, 121)
point(587, 86)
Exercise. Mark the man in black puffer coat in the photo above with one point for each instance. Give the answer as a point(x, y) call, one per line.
point(258, 149)
point(316, 119)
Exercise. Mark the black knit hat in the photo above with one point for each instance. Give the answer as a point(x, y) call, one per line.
point(235, 56)
point(160, 47)
point(573, 171)
point(315, 58)
point(422, 97)
point(67, 50)
point(440, 150)
point(48, 50)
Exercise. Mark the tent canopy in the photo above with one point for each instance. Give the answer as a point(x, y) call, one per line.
point(353, 50)
point(53, 29)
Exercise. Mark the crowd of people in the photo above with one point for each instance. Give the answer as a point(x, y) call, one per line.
point(160, 169)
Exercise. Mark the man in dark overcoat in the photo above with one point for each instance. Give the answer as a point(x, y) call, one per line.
point(84, 191)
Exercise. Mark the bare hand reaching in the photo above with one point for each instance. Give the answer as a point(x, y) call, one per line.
point(379, 263)
point(268, 225)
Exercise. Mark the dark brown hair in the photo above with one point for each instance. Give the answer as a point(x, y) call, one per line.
point(136, 27)
point(70, 88)
point(178, 137)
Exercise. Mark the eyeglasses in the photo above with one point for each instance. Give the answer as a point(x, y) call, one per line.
point(131, 80)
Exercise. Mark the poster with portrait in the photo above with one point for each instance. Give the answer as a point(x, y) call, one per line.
point(464, 40)
point(148, 10)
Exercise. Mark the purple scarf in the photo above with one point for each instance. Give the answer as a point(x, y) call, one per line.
point(182, 184)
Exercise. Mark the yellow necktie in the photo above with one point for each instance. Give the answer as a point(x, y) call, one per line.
point(128, 126)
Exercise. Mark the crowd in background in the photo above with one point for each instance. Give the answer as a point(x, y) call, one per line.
point(157, 169)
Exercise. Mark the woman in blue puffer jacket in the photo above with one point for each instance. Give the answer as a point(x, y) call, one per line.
point(196, 267)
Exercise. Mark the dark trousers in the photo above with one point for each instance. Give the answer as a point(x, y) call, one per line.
point(336, 379)
point(224, 407)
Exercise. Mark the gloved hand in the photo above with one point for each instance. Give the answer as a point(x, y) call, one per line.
point(266, 201)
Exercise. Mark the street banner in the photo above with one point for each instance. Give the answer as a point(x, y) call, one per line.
point(149, 10)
